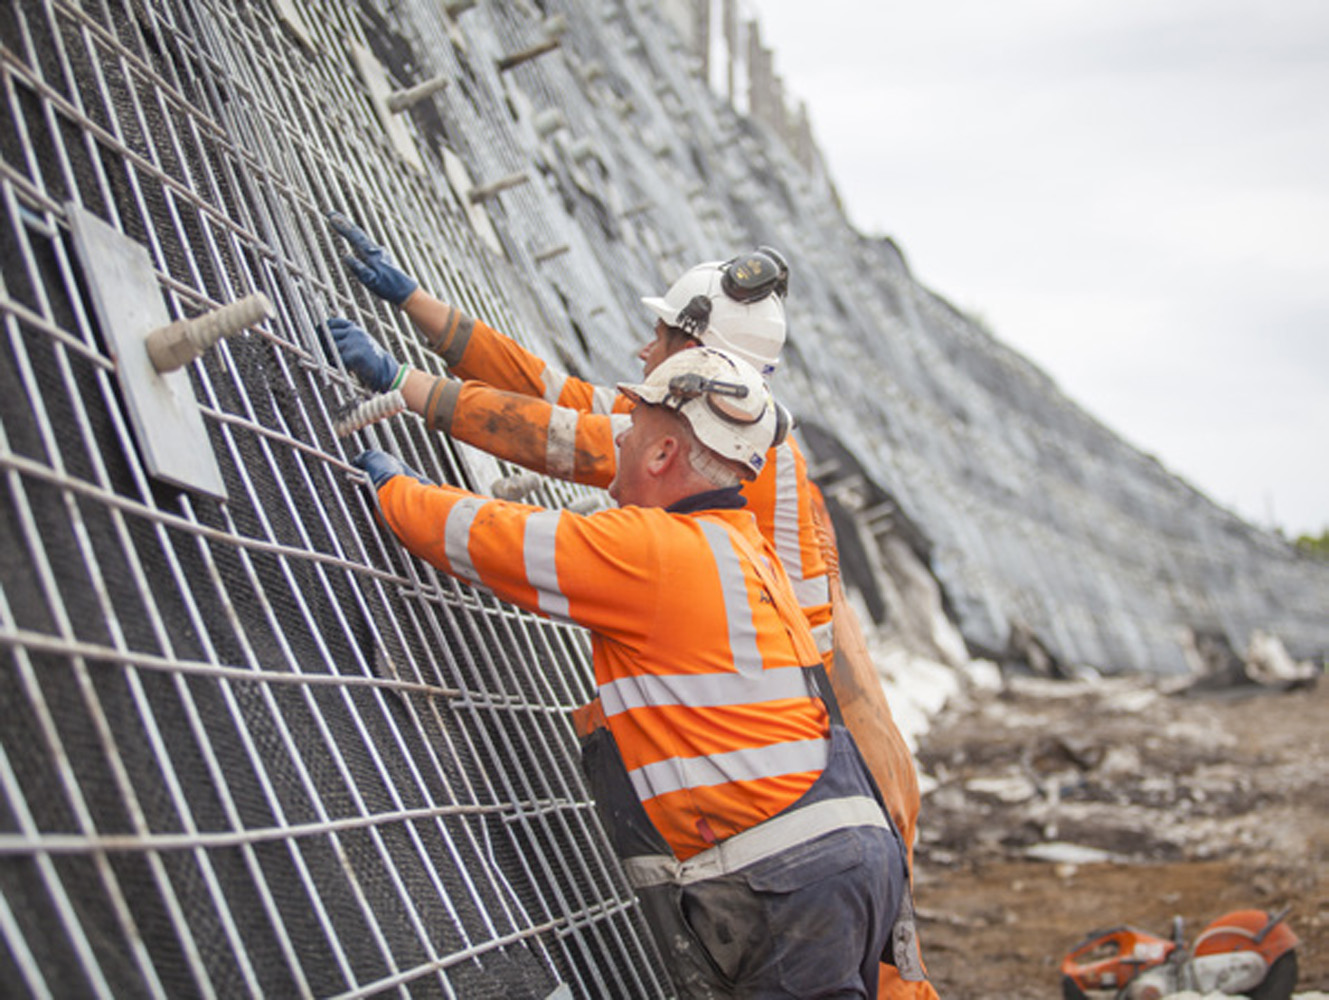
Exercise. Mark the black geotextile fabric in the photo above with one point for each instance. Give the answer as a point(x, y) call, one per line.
point(99, 745)
point(316, 836)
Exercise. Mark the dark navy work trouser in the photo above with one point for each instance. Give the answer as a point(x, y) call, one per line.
point(813, 920)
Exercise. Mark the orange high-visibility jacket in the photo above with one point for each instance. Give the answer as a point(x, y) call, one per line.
point(526, 412)
point(560, 425)
point(699, 672)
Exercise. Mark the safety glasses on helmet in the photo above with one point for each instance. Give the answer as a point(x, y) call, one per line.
point(717, 393)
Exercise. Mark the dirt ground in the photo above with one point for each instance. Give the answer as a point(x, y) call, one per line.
point(1201, 805)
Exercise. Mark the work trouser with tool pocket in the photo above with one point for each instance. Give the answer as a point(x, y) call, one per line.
point(807, 903)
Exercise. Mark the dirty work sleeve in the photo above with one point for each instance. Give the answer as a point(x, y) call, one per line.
point(474, 350)
point(599, 571)
point(554, 440)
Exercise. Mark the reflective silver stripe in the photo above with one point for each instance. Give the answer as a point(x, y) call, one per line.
point(812, 591)
point(748, 764)
point(554, 380)
point(603, 398)
point(541, 569)
point(825, 637)
point(785, 528)
point(561, 443)
point(779, 833)
point(734, 588)
point(457, 538)
point(702, 690)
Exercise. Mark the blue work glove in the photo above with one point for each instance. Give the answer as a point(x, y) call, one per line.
point(380, 466)
point(370, 263)
point(365, 358)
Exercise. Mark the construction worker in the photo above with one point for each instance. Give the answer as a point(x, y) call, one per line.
point(744, 815)
point(516, 407)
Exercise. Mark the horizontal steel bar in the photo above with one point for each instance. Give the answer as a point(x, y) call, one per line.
point(455, 958)
point(37, 470)
point(38, 322)
point(458, 697)
point(69, 843)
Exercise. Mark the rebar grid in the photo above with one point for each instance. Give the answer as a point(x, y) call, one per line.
point(250, 747)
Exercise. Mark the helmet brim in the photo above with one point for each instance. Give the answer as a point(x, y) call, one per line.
point(639, 392)
point(661, 309)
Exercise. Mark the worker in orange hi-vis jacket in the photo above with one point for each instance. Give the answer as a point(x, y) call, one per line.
point(516, 407)
point(741, 808)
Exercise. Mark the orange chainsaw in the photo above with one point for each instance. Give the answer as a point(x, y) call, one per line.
point(1247, 953)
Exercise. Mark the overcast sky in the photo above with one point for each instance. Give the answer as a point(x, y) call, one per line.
point(1132, 193)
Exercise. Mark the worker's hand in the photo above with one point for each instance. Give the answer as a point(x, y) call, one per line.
point(380, 466)
point(364, 357)
point(370, 263)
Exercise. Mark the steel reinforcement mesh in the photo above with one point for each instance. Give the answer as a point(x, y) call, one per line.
point(247, 745)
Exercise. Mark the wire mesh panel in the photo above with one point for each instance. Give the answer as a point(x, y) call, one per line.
point(247, 745)
point(250, 747)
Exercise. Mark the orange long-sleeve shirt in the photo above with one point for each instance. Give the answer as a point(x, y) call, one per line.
point(700, 672)
point(522, 410)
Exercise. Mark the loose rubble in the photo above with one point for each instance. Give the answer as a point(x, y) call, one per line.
point(1054, 808)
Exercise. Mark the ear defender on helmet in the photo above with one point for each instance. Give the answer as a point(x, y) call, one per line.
point(784, 423)
point(782, 269)
point(736, 305)
point(694, 317)
point(750, 277)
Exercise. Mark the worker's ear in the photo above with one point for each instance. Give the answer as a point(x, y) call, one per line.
point(664, 455)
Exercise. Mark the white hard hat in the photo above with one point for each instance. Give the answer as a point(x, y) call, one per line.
point(736, 305)
point(723, 399)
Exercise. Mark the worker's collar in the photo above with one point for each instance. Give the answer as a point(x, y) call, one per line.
point(725, 498)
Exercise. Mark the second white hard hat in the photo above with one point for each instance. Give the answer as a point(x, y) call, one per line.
point(723, 399)
point(707, 302)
